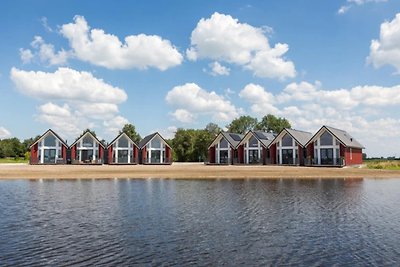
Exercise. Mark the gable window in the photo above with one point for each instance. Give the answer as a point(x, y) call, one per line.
point(287, 140)
point(50, 140)
point(326, 139)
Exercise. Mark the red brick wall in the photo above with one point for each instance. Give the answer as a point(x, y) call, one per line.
point(64, 152)
point(73, 152)
point(168, 153)
point(355, 158)
point(241, 154)
point(144, 155)
point(136, 154)
point(211, 154)
point(34, 154)
point(310, 150)
point(110, 155)
point(272, 151)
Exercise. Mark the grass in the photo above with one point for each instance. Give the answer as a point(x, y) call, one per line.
point(13, 160)
point(383, 164)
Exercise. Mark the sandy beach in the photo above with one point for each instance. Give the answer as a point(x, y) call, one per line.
point(184, 171)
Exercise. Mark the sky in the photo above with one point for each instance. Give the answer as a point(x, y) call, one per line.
point(163, 65)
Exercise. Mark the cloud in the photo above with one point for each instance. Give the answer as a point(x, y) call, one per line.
point(46, 52)
point(367, 112)
point(386, 50)
point(183, 115)
point(45, 24)
point(106, 50)
point(350, 3)
point(167, 133)
point(196, 101)
point(218, 69)
point(76, 100)
point(4, 133)
point(26, 55)
point(223, 38)
point(66, 84)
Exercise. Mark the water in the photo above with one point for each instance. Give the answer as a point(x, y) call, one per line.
point(217, 222)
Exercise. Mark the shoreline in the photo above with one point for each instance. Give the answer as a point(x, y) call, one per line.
point(185, 171)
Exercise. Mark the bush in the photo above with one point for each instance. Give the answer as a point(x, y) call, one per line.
point(27, 155)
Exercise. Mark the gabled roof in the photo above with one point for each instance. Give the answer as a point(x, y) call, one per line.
point(301, 137)
point(88, 132)
point(118, 137)
point(265, 138)
point(54, 133)
point(232, 138)
point(344, 137)
point(148, 138)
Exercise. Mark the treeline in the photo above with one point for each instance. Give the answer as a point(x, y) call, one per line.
point(187, 144)
point(192, 144)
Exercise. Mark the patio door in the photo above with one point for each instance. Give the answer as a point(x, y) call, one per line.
point(326, 156)
point(287, 156)
point(49, 156)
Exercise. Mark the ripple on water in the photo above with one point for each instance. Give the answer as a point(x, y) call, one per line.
point(209, 222)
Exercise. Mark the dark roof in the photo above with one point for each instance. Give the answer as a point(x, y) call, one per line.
point(344, 137)
point(148, 138)
point(301, 137)
point(85, 132)
point(265, 138)
point(54, 133)
point(118, 136)
point(233, 138)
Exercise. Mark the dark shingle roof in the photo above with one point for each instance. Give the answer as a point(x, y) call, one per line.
point(54, 133)
point(301, 137)
point(118, 136)
point(233, 138)
point(147, 139)
point(264, 137)
point(344, 137)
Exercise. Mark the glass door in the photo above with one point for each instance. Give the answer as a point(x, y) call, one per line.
point(49, 156)
point(287, 156)
point(326, 156)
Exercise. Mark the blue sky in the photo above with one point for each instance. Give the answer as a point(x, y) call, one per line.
point(162, 65)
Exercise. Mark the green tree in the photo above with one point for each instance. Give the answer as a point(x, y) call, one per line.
point(130, 131)
point(28, 142)
point(11, 147)
point(202, 141)
point(271, 123)
point(213, 129)
point(242, 124)
point(183, 144)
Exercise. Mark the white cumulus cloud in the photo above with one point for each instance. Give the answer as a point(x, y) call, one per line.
point(386, 50)
point(4, 133)
point(136, 51)
point(223, 38)
point(183, 115)
point(194, 100)
point(218, 69)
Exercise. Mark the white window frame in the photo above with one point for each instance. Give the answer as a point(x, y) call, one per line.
point(294, 147)
point(335, 145)
point(42, 148)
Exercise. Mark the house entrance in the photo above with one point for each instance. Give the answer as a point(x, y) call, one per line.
point(326, 156)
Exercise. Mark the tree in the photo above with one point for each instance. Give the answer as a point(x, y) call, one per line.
point(242, 124)
point(87, 130)
point(27, 142)
point(213, 129)
point(271, 123)
point(130, 131)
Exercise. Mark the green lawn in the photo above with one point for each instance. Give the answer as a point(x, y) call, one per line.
point(383, 164)
point(12, 160)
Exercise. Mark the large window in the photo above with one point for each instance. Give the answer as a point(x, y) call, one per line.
point(49, 156)
point(287, 140)
point(50, 141)
point(287, 156)
point(223, 156)
point(327, 156)
point(123, 156)
point(156, 142)
point(223, 143)
point(87, 141)
point(326, 139)
point(253, 142)
point(123, 142)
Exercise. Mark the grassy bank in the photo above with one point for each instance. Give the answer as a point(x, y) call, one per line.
point(383, 164)
point(13, 160)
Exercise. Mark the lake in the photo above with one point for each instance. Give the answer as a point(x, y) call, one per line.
point(155, 222)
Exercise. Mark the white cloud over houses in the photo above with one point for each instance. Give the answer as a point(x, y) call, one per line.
point(4, 133)
point(386, 50)
point(136, 51)
point(223, 38)
point(75, 100)
point(191, 101)
point(350, 3)
point(365, 111)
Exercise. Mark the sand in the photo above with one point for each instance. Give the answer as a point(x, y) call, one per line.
point(185, 171)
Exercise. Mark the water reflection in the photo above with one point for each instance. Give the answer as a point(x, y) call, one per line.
point(208, 222)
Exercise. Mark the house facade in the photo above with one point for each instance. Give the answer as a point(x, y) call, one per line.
point(223, 150)
point(253, 148)
point(87, 149)
point(288, 147)
point(123, 150)
point(154, 149)
point(49, 149)
point(333, 147)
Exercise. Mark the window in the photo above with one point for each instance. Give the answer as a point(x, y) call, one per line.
point(287, 140)
point(156, 142)
point(223, 143)
point(123, 142)
point(50, 140)
point(326, 139)
point(87, 141)
point(253, 142)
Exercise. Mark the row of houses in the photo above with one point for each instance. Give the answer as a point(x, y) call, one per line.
point(327, 147)
point(87, 149)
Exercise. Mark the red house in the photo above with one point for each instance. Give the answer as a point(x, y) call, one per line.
point(333, 147)
point(223, 150)
point(289, 147)
point(253, 148)
point(49, 149)
point(154, 149)
point(123, 150)
point(87, 149)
